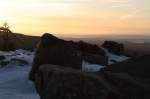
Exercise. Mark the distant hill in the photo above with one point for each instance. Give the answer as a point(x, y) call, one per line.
point(130, 48)
point(21, 41)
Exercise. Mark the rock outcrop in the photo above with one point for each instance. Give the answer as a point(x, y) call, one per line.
point(52, 50)
point(138, 67)
point(113, 47)
point(96, 59)
point(57, 82)
point(87, 48)
point(57, 73)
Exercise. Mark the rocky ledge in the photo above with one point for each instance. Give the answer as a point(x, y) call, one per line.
point(57, 73)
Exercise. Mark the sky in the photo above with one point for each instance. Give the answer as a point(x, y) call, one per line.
point(77, 17)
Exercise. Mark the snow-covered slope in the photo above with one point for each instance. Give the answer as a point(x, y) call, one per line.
point(14, 83)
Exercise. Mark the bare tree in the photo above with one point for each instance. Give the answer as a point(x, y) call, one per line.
point(7, 34)
point(5, 25)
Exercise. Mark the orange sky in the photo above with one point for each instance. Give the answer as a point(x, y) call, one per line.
point(77, 17)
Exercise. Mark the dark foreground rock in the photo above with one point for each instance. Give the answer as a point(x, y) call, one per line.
point(52, 50)
point(113, 47)
point(62, 78)
point(96, 59)
point(57, 82)
point(86, 48)
point(138, 67)
point(2, 57)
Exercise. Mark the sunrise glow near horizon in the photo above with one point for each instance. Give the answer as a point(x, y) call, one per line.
point(77, 17)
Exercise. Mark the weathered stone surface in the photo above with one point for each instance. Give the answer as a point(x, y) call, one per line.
point(138, 67)
point(92, 53)
point(55, 51)
point(132, 76)
point(130, 87)
point(57, 82)
point(52, 50)
point(113, 47)
point(62, 78)
point(96, 59)
point(87, 48)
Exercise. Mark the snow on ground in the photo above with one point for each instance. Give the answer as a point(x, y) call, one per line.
point(112, 58)
point(18, 55)
point(116, 58)
point(14, 83)
point(87, 67)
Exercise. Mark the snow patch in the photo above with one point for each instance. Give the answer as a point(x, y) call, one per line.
point(112, 58)
point(87, 67)
point(21, 55)
point(14, 82)
point(116, 58)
